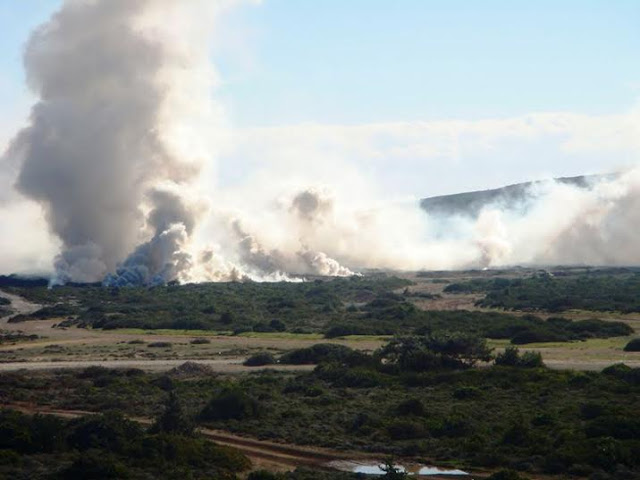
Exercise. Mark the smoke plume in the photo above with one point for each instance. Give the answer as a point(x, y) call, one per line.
point(103, 137)
point(125, 124)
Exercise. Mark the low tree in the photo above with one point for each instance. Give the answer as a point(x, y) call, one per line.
point(230, 403)
point(173, 419)
point(421, 353)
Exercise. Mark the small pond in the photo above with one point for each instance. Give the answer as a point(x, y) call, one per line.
point(376, 469)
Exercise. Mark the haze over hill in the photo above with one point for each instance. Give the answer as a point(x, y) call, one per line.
point(510, 197)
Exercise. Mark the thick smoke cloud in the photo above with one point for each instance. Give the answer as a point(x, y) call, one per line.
point(125, 124)
point(100, 139)
point(109, 152)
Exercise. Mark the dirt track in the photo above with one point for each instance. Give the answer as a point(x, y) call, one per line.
point(19, 306)
point(220, 366)
point(264, 454)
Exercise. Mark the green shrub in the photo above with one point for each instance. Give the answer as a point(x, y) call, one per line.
point(536, 336)
point(230, 404)
point(506, 475)
point(405, 430)
point(173, 419)
point(633, 345)
point(110, 432)
point(318, 353)
point(264, 475)
point(431, 352)
point(511, 358)
point(95, 465)
point(465, 393)
point(411, 406)
point(259, 360)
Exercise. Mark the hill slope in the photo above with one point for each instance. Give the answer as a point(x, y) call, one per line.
point(470, 204)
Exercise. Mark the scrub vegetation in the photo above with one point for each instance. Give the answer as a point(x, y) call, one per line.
point(429, 390)
point(596, 291)
point(417, 397)
point(336, 308)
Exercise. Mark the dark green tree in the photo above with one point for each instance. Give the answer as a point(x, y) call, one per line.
point(173, 419)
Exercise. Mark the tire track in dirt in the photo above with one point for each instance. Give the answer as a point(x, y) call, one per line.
point(262, 453)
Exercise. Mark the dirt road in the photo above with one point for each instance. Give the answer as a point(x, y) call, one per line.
point(19, 306)
point(220, 366)
point(264, 454)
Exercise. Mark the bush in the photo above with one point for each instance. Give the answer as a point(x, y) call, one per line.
point(173, 419)
point(230, 404)
point(534, 336)
point(429, 352)
point(95, 371)
point(95, 465)
point(506, 475)
point(277, 326)
point(259, 360)
point(623, 372)
point(160, 345)
point(411, 406)
point(321, 352)
point(110, 432)
point(511, 358)
point(336, 331)
point(264, 475)
point(465, 393)
point(633, 345)
point(405, 430)
point(200, 341)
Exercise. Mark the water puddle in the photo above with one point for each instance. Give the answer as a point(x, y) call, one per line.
point(377, 469)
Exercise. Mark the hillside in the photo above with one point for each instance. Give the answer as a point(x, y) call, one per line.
point(511, 196)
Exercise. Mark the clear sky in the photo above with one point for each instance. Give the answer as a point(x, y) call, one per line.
point(363, 62)
point(379, 60)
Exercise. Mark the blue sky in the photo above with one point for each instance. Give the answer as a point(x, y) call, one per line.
point(291, 63)
point(375, 60)
point(336, 61)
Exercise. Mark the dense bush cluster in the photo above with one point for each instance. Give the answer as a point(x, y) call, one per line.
point(106, 446)
point(260, 360)
point(233, 307)
point(533, 419)
point(511, 357)
point(336, 308)
point(596, 292)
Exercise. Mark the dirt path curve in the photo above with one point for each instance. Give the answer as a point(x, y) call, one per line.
point(221, 366)
point(19, 306)
point(263, 453)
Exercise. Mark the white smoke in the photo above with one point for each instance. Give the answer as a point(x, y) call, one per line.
point(125, 124)
point(121, 84)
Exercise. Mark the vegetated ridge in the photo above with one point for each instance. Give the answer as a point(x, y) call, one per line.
point(470, 204)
